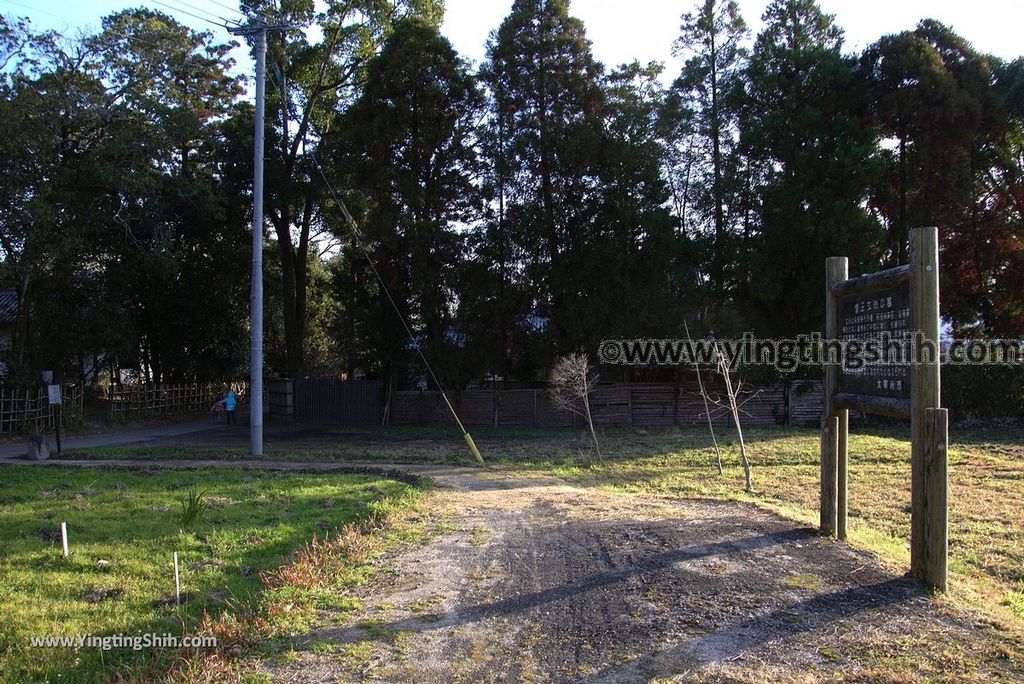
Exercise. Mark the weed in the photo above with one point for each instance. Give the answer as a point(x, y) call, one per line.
point(193, 506)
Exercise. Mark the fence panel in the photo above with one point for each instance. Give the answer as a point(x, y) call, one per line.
point(653, 405)
point(329, 401)
point(127, 402)
point(29, 410)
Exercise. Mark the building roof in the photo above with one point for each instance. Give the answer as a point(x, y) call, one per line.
point(8, 306)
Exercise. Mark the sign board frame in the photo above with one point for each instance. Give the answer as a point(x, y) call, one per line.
point(929, 422)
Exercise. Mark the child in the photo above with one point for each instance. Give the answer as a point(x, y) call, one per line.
point(230, 403)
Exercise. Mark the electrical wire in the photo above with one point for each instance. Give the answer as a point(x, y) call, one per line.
point(212, 14)
point(225, 6)
point(187, 13)
point(120, 34)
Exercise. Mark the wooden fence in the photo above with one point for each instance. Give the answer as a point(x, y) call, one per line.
point(29, 410)
point(329, 401)
point(134, 401)
point(624, 405)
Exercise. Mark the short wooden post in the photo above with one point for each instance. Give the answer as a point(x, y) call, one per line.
point(833, 449)
point(936, 524)
point(64, 538)
point(842, 472)
point(924, 385)
point(829, 479)
point(496, 404)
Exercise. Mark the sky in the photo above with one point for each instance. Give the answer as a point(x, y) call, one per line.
point(620, 31)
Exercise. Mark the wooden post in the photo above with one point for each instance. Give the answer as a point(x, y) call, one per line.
point(829, 480)
point(924, 390)
point(64, 538)
point(833, 450)
point(497, 401)
point(936, 524)
point(842, 472)
point(629, 397)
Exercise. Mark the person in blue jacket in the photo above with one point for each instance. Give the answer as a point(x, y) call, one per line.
point(230, 403)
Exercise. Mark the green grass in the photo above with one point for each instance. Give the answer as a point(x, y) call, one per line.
point(362, 444)
point(123, 527)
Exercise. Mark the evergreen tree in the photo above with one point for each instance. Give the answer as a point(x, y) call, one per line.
point(806, 129)
point(951, 166)
point(704, 113)
point(547, 100)
point(410, 138)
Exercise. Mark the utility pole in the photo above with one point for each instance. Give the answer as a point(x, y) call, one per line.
point(257, 28)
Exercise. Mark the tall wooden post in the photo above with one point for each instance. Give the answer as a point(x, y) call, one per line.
point(924, 395)
point(834, 421)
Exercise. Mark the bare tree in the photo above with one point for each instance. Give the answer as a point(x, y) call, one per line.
point(707, 407)
point(723, 368)
point(572, 379)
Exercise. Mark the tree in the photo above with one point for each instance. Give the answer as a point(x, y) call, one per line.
point(110, 197)
point(546, 101)
point(409, 139)
point(630, 246)
point(704, 113)
point(806, 131)
point(572, 380)
point(311, 81)
point(951, 165)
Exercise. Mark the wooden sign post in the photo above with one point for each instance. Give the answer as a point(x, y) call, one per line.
point(898, 302)
point(54, 397)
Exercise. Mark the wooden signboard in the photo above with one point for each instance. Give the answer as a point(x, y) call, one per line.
point(875, 309)
point(875, 317)
point(895, 303)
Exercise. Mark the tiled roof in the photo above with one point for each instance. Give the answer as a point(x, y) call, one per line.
point(8, 306)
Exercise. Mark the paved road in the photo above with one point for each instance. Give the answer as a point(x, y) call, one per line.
point(122, 438)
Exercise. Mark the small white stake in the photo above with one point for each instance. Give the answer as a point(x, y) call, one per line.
point(64, 538)
point(177, 584)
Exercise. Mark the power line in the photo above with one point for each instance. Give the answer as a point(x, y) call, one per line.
point(208, 12)
point(36, 9)
point(187, 13)
point(221, 4)
point(120, 34)
point(401, 317)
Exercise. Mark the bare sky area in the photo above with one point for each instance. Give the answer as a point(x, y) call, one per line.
point(620, 31)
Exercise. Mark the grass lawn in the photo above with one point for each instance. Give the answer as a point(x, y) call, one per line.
point(124, 526)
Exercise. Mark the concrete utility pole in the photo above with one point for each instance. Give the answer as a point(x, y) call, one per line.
point(257, 28)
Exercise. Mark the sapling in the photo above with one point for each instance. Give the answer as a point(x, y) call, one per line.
point(571, 381)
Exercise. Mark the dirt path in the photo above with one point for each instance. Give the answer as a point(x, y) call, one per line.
point(534, 580)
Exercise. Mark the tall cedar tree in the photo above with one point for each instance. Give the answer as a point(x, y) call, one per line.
point(308, 81)
point(545, 90)
point(705, 112)
point(410, 138)
point(805, 128)
point(932, 95)
point(631, 254)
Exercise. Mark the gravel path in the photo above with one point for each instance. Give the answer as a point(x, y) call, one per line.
point(533, 580)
